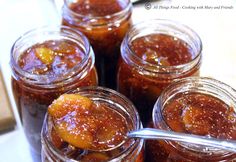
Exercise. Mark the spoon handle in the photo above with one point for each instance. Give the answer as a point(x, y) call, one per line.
point(150, 133)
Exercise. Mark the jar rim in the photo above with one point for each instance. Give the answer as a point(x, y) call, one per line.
point(154, 25)
point(117, 14)
point(106, 92)
point(50, 30)
point(184, 85)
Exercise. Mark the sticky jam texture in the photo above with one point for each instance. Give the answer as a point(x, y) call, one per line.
point(201, 114)
point(157, 49)
point(105, 32)
point(98, 7)
point(84, 124)
point(162, 49)
point(51, 57)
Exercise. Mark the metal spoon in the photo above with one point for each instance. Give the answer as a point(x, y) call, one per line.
point(150, 133)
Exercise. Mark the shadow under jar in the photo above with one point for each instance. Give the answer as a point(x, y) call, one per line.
point(154, 54)
point(200, 106)
point(105, 23)
point(47, 62)
point(101, 122)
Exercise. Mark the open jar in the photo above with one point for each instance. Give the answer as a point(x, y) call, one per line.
point(45, 63)
point(105, 23)
point(54, 148)
point(153, 54)
point(200, 106)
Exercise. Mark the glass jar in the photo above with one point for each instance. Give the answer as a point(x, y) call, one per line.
point(132, 150)
point(211, 112)
point(105, 23)
point(153, 54)
point(33, 90)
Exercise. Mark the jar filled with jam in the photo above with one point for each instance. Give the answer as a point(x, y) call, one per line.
point(105, 23)
point(90, 124)
point(198, 106)
point(153, 55)
point(47, 62)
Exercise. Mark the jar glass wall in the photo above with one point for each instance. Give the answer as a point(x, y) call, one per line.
point(153, 54)
point(105, 23)
point(45, 63)
point(200, 106)
point(131, 150)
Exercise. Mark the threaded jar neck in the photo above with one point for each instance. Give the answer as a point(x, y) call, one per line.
point(93, 21)
point(41, 35)
point(167, 27)
point(206, 86)
point(119, 103)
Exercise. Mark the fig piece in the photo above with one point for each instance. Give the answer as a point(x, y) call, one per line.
point(67, 103)
point(86, 124)
point(193, 121)
point(45, 55)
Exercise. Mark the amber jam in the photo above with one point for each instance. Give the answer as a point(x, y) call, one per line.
point(105, 23)
point(46, 63)
point(154, 54)
point(199, 106)
point(162, 50)
point(52, 57)
point(90, 124)
point(201, 114)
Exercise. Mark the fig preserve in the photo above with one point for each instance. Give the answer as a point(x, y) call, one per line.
point(153, 55)
point(198, 106)
point(105, 23)
point(91, 124)
point(45, 63)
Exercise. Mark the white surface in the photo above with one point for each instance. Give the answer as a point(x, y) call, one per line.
point(216, 27)
point(17, 17)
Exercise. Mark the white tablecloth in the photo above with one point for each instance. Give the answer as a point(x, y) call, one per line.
point(213, 20)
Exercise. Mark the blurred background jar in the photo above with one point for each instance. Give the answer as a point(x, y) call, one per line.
point(45, 63)
point(105, 23)
point(55, 149)
point(153, 54)
point(200, 106)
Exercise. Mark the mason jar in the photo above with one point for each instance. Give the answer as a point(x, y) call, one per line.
point(105, 23)
point(130, 151)
point(153, 54)
point(45, 63)
point(200, 106)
